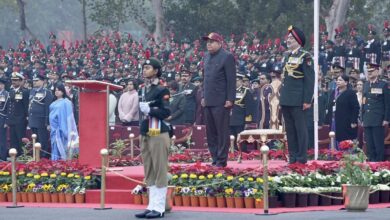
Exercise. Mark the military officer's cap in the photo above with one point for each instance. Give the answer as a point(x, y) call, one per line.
point(337, 66)
point(386, 27)
point(17, 76)
point(298, 35)
point(40, 76)
point(372, 66)
point(240, 76)
point(213, 36)
point(186, 72)
point(276, 69)
point(256, 81)
point(197, 79)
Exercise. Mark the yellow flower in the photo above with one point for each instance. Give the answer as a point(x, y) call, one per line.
point(230, 178)
point(184, 176)
point(201, 177)
point(1, 173)
point(241, 179)
point(21, 173)
point(219, 175)
point(210, 176)
point(77, 176)
point(259, 180)
point(6, 173)
point(87, 177)
point(254, 190)
point(44, 174)
point(30, 175)
point(37, 176)
point(193, 176)
point(175, 177)
point(70, 175)
point(229, 191)
point(258, 200)
point(250, 179)
point(270, 179)
point(53, 175)
point(63, 174)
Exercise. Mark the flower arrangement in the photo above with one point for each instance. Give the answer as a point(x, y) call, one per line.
point(354, 169)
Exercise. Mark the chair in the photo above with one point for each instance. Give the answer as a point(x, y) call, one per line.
point(323, 137)
point(182, 133)
point(199, 137)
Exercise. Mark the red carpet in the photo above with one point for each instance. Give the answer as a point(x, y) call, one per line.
point(194, 209)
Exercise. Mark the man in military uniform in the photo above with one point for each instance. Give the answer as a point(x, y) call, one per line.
point(4, 111)
point(241, 112)
point(18, 111)
point(372, 48)
point(155, 138)
point(38, 114)
point(296, 95)
point(265, 97)
point(386, 45)
point(189, 90)
point(375, 112)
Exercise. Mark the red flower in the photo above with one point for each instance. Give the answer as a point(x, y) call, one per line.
point(345, 145)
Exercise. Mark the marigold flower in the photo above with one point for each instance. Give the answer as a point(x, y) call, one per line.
point(259, 180)
point(219, 175)
point(30, 175)
point(201, 177)
point(175, 176)
point(184, 176)
point(193, 176)
point(70, 175)
point(241, 179)
point(53, 175)
point(37, 176)
point(21, 173)
point(76, 176)
point(210, 176)
point(63, 174)
point(250, 179)
point(87, 177)
point(6, 173)
point(230, 178)
point(44, 174)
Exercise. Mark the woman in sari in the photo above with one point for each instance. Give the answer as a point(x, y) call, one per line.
point(63, 131)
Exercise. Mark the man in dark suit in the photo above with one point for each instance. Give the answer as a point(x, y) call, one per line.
point(177, 105)
point(219, 93)
point(375, 112)
point(296, 95)
point(38, 114)
point(18, 111)
point(4, 111)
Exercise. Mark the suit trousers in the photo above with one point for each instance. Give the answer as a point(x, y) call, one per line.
point(3, 140)
point(217, 130)
point(17, 132)
point(375, 140)
point(297, 133)
point(154, 152)
point(43, 139)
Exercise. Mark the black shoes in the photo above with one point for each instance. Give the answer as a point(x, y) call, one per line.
point(143, 214)
point(150, 214)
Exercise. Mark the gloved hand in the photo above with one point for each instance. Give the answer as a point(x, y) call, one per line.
point(144, 107)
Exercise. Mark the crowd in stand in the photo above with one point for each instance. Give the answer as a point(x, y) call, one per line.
point(118, 59)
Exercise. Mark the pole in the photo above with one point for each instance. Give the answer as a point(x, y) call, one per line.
point(264, 150)
point(104, 154)
point(12, 154)
point(37, 149)
point(34, 140)
point(231, 144)
point(316, 71)
point(131, 137)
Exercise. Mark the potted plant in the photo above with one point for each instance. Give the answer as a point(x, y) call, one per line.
point(357, 176)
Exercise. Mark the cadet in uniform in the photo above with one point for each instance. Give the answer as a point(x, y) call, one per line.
point(18, 111)
point(4, 110)
point(296, 95)
point(241, 109)
point(155, 138)
point(38, 114)
point(375, 112)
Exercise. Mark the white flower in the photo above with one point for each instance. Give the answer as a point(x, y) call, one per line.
point(338, 179)
point(377, 174)
point(185, 190)
point(137, 190)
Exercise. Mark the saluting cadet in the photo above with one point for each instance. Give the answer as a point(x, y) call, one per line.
point(4, 111)
point(375, 112)
point(296, 95)
point(38, 114)
point(155, 138)
point(18, 111)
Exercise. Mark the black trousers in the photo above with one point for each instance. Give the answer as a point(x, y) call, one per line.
point(217, 130)
point(375, 140)
point(43, 139)
point(3, 140)
point(297, 134)
point(17, 132)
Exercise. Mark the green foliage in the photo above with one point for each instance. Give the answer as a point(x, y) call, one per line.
point(118, 147)
point(355, 170)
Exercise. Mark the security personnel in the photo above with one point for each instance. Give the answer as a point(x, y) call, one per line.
point(386, 45)
point(18, 111)
point(4, 111)
point(241, 109)
point(375, 112)
point(296, 94)
point(189, 90)
point(38, 113)
point(155, 138)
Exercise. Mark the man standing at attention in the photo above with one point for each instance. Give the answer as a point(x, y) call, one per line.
point(219, 93)
point(296, 95)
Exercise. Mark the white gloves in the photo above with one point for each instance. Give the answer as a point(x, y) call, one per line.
point(145, 108)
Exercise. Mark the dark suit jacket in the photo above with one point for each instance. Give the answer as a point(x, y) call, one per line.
point(219, 78)
point(178, 108)
point(18, 110)
point(38, 114)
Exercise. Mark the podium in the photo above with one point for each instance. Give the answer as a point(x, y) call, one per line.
point(93, 120)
